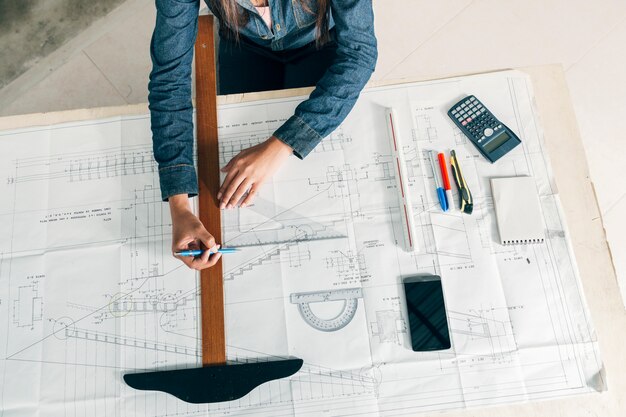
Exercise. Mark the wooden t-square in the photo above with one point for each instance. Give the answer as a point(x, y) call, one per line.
point(216, 380)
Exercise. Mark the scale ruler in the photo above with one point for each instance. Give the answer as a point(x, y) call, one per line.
point(408, 223)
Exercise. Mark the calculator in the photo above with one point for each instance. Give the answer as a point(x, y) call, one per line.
point(492, 138)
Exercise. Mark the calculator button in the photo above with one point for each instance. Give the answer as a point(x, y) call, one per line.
point(463, 122)
point(469, 119)
point(488, 132)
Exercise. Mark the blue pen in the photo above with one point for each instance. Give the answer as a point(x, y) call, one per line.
point(198, 252)
point(441, 193)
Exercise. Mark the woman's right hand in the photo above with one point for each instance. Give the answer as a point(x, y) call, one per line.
point(188, 233)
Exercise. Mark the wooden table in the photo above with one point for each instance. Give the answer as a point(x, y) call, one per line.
point(583, 218)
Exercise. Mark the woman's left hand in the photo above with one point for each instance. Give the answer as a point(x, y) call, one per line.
point(249, 169)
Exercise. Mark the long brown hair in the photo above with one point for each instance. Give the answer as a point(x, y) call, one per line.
point(234, 16)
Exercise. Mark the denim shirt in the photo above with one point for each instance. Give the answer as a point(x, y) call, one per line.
point(171, 50)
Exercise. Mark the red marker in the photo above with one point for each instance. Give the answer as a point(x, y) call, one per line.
point(446, 180)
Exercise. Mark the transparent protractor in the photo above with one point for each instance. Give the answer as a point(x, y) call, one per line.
point(333, 324)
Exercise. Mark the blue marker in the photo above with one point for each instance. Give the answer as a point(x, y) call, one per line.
point(198, 252)
point(441, 193)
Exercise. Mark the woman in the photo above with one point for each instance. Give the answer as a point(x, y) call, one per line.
point(264, 45)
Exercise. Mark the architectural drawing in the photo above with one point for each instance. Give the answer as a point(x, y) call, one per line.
point(389, 326)
point(27, 307)
point(89, 289)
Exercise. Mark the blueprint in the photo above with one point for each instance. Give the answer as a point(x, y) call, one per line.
point(89, 289)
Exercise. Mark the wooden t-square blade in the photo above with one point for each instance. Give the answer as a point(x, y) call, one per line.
point(211, 279)
point(216, 381)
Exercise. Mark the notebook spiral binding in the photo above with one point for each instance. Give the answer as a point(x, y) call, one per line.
point(522, 242)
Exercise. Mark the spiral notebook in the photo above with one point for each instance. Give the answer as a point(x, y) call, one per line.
point(518, 211)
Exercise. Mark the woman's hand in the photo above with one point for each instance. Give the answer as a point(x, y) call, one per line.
point(249, 170)
point(188, 233)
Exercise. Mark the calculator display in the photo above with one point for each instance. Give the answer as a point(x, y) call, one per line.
point(496, 142)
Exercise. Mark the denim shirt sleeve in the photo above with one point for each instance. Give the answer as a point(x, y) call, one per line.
point(171, 110)
point(337, 91)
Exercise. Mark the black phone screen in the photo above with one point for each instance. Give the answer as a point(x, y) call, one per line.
point(427, 313)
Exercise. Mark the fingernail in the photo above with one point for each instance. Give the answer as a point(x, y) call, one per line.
point(229, 206)
point(222, 206)
point(243, 205)
point(219, 195)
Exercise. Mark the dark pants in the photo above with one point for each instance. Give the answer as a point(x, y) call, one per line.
point(245, 67)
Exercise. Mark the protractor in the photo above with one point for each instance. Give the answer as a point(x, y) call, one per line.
point(349, 296)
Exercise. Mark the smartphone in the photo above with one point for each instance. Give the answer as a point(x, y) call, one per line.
point(426, 309)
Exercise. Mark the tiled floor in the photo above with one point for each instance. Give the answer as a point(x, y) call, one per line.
point(417, 38)
point(32, 29)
